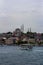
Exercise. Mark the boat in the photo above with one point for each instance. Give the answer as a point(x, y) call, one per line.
point(26, 46)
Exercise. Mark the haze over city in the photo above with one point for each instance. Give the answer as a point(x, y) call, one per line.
point(14, 13)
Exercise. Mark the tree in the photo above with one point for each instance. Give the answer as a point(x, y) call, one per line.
point(9, 32)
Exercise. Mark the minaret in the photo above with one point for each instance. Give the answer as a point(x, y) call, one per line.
point(30, 29)
point(22, 27)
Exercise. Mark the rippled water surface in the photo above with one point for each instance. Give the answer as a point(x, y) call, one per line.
point(14, 55)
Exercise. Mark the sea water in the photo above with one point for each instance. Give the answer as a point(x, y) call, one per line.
point(14, 55)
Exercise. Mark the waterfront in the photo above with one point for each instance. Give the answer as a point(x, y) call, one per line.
point(13, 55)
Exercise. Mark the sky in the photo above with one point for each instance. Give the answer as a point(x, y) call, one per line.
point(14, 13)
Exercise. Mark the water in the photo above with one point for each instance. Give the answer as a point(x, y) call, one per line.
point(13, 55)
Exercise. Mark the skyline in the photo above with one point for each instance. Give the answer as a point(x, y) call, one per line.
point(14, 13)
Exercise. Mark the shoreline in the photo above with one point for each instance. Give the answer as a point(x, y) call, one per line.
point(21, 44)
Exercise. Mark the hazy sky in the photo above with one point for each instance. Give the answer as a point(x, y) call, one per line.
point(14, 13)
